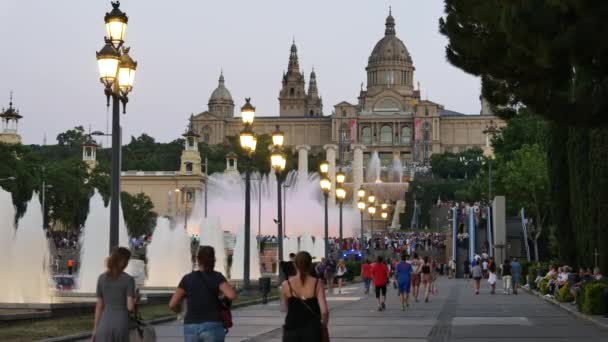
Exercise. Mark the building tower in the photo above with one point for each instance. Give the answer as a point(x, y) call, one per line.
point(10, 124)
point(89, 153)
point(221, 103)
point(314, 103)
point(191, 157)
point(390, 64)
point(292, 97)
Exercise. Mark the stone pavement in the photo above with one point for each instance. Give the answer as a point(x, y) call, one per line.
point(454, 314)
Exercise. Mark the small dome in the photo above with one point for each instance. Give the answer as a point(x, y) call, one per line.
point(389, 48)
point(221, 93)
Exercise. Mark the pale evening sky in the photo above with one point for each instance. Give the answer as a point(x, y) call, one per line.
point(48, 57)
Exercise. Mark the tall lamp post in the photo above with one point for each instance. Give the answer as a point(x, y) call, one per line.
point(372, 211)
point(117, 72)
point(248, 143)
point(340, 196)
point(325, 184)
point(277, 162)
point(361, 207)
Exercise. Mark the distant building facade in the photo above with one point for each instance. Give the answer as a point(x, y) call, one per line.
point(389, 117)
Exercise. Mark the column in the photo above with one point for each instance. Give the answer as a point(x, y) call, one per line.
point(302, 162)
point(330, 155)
point(357, 166)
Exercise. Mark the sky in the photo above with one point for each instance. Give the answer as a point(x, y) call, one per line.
point(48, 57)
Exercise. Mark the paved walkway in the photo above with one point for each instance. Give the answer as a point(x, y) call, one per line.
point(455, 314)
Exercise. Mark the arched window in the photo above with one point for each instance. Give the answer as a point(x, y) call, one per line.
point(426, 131)
point(189, 167)
point(366, 135)
point(386, 134)
point(406, 135)
point(206, 134)
point(291, 91)
point(311, 113)
point(344, 133)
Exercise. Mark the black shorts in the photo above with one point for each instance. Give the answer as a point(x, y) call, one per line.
point(380, 289)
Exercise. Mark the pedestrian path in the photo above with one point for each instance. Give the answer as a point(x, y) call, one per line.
point(454, 314)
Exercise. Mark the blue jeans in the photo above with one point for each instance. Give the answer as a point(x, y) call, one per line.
point(204, 332)
point(367, 282)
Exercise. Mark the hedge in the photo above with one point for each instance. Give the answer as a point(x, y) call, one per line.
point(353, 269)
point(544, 286)
point(592, 298)
point(564, 295)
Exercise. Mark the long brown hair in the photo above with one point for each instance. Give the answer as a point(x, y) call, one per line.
point(118, 260)
point(206, 258)
point(303, 265)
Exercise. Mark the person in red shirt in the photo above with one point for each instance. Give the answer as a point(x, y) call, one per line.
point(380, 277)
point(366, 274)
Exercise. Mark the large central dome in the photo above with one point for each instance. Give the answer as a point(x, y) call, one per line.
point(389, 48)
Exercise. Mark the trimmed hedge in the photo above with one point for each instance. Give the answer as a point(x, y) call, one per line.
point(564, 295)
point(353, 269)
point(544, 286)
point(592, 300)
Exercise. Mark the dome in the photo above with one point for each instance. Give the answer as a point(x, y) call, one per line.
point(389, 48)
point(221, 93)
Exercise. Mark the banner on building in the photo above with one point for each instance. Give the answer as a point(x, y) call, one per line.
point(418, 129)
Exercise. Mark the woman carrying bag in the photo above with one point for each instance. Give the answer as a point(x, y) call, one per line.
point(303, 296)
point(205, 319)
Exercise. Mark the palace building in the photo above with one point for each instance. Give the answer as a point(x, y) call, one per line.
point(389, 116)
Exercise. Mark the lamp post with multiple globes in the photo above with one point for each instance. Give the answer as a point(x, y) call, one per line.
point(248, 143)
point(277, 162)
point(340, 196)
point(325, 184)
point(361, 207)
point(117, 72)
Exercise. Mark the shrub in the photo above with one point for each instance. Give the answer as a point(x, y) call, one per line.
point(353, 269)
point(525, 267)
point(564, 295)
point(593, 301)
point(544, 286)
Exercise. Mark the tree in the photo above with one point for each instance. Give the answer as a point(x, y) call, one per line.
point(67, 197)
point(531, 53)
point(138, 213)
point(526, 183)
point(73, 137)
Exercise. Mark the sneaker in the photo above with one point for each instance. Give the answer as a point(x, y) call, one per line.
point(383, 306)
point(379, 308)
point(402, 307)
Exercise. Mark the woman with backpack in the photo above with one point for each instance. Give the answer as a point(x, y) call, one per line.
point(303, 297)
point(204, 320)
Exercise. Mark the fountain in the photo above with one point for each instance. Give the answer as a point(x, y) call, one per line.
point(397, 170)
point(318, 250)
point(95, 241)
point(290, 245)
point(236, 271)
point(374, 169)
point(29, 279)
point(211, 234)
point(168, 255)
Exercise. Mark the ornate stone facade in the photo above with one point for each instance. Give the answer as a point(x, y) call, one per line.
point(390, 116)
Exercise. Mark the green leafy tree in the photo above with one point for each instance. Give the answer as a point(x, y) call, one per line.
point(530, 53)
point(67, 196)
point(138, 213)
point(526, 184)
point(73, 137)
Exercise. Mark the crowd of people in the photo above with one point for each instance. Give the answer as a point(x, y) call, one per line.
point(63, 239)
point(558, 277)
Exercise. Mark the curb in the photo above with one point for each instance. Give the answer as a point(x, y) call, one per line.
point(573, 311)
point(87, 335)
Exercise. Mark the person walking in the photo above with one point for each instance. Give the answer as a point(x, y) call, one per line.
point(467, 268)
point(426, 278)
point(330, 273)
point(415, 276)
point(201, 290)
point(71, 266)
point(506, 276)
point(477, 274)
point(403, 272)
point(515, 274)
point(115, 299)
point(380, 277)
point(303, 297)
point(340, 272)
point(452, 269)
point(366, 274)
point(492, 276)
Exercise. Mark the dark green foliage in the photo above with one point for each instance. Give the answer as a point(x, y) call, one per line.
point(564, 295)
point(448, 165)
point(592, 298)
point(145, 154)
point(138, 213)
point(73, 137)
point(426, 191)
point(353, 269)
point(531, 53)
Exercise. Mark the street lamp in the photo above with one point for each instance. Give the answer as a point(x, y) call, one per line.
point(324, 167)
point(384, 216)
point(361, 193)
point(361, 207)
point(277, 162)
point(340, 177)
point(116, 73)
point(340, 196)
point(372, 211)
point(325, 184)
point(248, 144)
